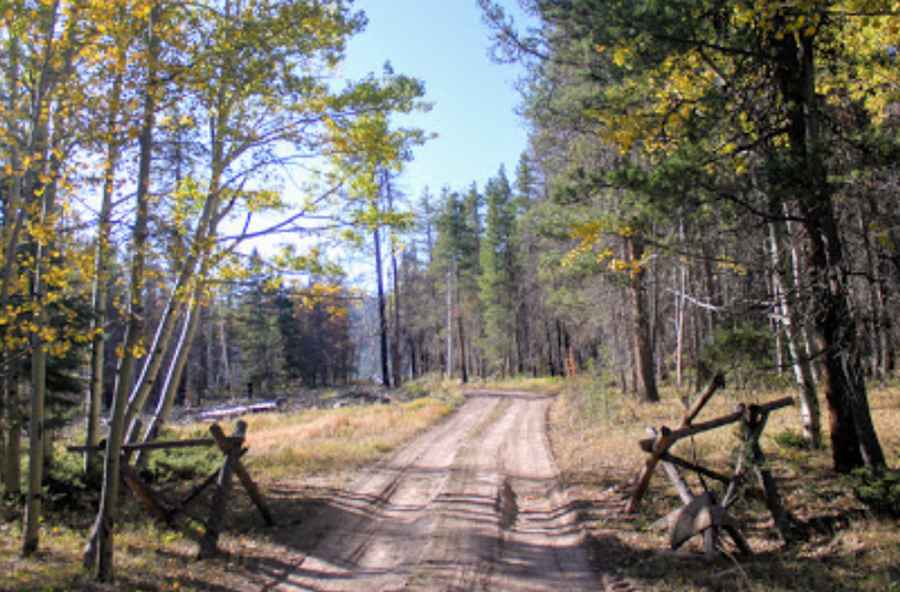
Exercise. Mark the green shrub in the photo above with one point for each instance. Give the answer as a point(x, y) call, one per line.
point(183, 463)
point(881, 493)
point(791, 439)
point(745, 352)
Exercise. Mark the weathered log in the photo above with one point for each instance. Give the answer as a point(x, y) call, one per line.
point(199, 488)
point(660, 446)
point(244, 477)
point(754, 424)
point(194, 443)
point(717, 382)
point(260, 407)
point(210, 540)
point(684, 492)
point(675, 435)
point(145, 494)
point(704, 515)
point(684, 464)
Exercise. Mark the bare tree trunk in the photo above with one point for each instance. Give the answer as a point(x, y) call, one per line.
point(174, 374)
point(809, 402)
point(877, 336)
point(449, 325)
point(854, 441)
point(382, 320)
point(395, 345)
point(12, 466)
point(413, 352)
point(680, 306)
point(644, 373)
point(210, 377)
point(101, 284)
point(225, 378)
point(463, 367)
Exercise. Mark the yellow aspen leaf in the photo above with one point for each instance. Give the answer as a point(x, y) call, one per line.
point(620, 56)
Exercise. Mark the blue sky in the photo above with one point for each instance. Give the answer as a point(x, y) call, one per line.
point(445, 43)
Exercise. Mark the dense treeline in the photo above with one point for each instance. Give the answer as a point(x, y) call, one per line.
point(709, 185)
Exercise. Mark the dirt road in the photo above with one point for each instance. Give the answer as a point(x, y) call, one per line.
point(473, 504)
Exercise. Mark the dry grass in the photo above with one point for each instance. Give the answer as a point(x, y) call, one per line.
point(595, 434)
point(549, 385)
point(289, 454)
point(325, 440)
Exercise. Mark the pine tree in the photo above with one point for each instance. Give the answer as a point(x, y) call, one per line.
point(498, 273)
point(456, 260)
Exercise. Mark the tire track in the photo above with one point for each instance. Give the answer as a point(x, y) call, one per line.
point(474, 504)
point(364, 533)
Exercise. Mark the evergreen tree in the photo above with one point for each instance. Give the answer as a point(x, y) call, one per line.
point(259, 337)
point(498, 274)
point(456, 260)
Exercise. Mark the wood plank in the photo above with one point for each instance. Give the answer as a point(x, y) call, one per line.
point(684, 492)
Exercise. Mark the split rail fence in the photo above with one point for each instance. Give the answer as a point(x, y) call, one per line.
point(232, 448)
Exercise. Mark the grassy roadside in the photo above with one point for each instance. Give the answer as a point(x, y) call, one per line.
point(295, 458)
point(547, 385)
point(594, 432)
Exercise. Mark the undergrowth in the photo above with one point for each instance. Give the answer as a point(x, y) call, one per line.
point(851, 542)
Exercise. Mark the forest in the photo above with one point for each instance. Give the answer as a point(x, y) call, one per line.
point(709, 185)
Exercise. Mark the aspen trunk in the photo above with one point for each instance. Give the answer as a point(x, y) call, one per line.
point(225, 378)
point(173, 376)
point(99, 551)
point(13, 220)
point(101, 286)
point(44, 194)
point(809, 402)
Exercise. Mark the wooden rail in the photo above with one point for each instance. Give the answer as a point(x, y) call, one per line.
point(158, 445)
point(232, 447)
point(705, 513)
point(674, 435)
